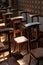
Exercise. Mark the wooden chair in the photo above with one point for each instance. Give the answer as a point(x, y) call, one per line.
point(19, 39)
point(36, 53)
point(32, 16)
point(6, 18)
point(7, 32)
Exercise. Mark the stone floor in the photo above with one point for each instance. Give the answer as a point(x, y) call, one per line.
point(25, 59)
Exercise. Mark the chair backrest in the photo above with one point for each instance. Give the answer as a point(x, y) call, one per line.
point(6, 17)
point(17, 25)
point(25, 14)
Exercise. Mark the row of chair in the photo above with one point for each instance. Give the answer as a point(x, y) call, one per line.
point(32, 31)
point(33, 37)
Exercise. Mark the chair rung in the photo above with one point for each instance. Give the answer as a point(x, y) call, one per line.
point(34, 40)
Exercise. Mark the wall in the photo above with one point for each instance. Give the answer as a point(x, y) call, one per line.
point(35, 20)
point(34, 7)
point(41, 21)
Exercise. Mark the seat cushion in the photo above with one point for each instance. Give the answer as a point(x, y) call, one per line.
point(38, 52)
point(10, 61)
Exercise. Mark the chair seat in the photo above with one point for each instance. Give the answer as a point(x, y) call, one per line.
point(38, 52)
point(20, 39)
point(2, 24)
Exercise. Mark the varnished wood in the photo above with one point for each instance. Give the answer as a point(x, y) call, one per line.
point(6, 31)
point(16, 18)
point(17, 23)
point(21, 41)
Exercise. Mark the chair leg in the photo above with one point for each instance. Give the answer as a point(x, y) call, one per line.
point(3, 56)
point(37, 62)
point(19, 48)
point(27, 48)
point(14, 46)
point(29, 61)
